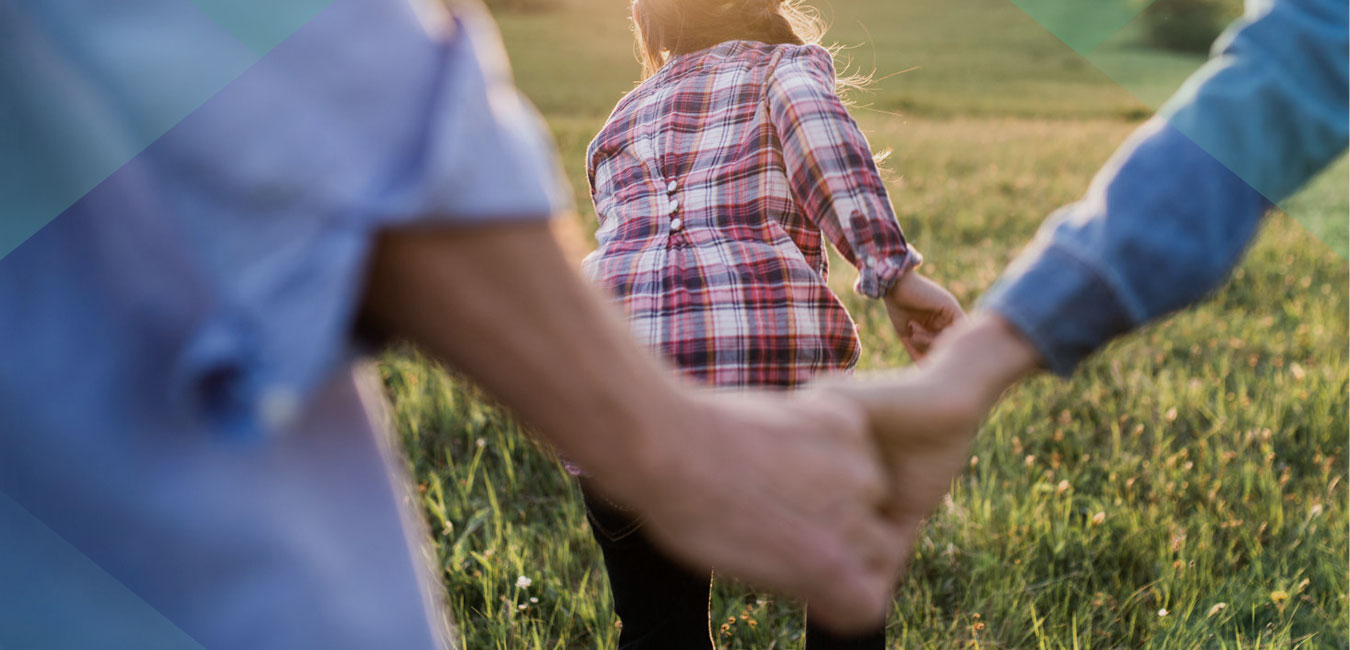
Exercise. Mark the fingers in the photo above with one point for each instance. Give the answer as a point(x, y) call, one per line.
point(852, 593)
point(849, 584)
point(918, 340)
point(792, 500)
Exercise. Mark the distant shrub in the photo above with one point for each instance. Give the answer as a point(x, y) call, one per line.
point(1189, 25)
point(522, 5)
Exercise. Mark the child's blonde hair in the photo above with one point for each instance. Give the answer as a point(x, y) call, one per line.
point(666, 28)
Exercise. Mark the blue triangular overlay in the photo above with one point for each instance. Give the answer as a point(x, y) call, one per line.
point(1083, 24)
point(56, 598)
point(1105, 33)
point(261, 24)
point(93, 98)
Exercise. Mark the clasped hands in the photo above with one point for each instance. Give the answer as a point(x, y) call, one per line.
point(822, 495)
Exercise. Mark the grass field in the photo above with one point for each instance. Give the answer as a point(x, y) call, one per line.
point(1187, 489)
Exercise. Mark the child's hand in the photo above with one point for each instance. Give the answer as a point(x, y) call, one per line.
point(920, 310)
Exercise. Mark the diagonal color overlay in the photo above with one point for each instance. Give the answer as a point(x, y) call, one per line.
point(1087, 27)
point(94, 97)
point(56, 598)
point(261, 24)
point(1083, 25)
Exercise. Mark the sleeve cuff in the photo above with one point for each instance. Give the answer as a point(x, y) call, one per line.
point(1060, 304)
point(879, 274)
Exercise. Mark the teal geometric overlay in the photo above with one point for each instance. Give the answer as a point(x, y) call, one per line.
point(261, 24)
point(1083, 24)
point(93, 99)
point(58, 599)
point(82, 117)
point(1087, 25)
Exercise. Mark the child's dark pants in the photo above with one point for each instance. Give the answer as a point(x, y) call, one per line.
point(662, 605)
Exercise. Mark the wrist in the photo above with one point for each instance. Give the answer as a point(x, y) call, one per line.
point(986, 354)
point(895, 292)
point(642, 459)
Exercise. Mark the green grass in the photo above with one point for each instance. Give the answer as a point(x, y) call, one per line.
point(1198, 467)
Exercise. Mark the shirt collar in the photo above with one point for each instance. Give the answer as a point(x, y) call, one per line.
point(695, 60)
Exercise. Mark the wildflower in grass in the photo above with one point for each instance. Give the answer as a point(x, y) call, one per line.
point(523, 582)
point(1098, 518)
point(1061, 488)
point(1279, 596)
point(1297, 371)
point(1162, 612)
point(1218, 607)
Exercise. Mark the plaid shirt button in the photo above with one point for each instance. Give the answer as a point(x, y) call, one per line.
point(676, 224)
point(674, 205)
point(671, 186)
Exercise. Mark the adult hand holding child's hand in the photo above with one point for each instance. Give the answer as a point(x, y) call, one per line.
point(789, 497)
point(925, 418)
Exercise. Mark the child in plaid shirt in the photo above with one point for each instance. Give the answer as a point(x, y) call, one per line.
point(715, 182)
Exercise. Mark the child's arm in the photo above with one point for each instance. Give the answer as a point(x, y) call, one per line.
point(836, 182)
point(919, 310)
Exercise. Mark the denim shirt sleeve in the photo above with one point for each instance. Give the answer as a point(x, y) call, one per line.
point(1171, 213)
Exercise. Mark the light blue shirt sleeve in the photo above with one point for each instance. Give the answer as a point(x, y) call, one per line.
point(189, 194)
point(262, 178)
point(1171, 213)
point(364, 120)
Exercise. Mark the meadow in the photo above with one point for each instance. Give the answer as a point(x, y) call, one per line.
point(1186, 488)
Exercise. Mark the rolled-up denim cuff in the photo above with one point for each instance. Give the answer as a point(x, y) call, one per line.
point(877, 276)
point(1061, 304)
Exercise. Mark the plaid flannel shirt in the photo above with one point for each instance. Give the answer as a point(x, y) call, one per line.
point(714, 182)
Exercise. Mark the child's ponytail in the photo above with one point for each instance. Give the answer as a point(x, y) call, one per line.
point(774, 24)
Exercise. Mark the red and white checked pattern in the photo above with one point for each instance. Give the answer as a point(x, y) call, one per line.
point(714, 181)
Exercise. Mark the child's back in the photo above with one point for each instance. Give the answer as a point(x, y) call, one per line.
point(714, 181)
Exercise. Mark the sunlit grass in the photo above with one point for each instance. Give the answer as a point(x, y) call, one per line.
point(1187, 489)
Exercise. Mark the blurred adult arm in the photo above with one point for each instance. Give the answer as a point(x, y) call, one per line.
point(1171, 213)
point(782, 493)
point(1163, 224)
point(1169, 216)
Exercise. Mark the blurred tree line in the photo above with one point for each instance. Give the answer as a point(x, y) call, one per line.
point(522, 5)
point(1188, 25)
point(1182, 25)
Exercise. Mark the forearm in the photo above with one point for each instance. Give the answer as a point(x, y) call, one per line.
point(1170, 215)
point(983, 356)
point(501, 304)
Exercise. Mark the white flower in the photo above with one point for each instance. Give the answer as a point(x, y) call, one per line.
point(522, 582)
point(1162, 612)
